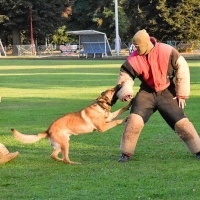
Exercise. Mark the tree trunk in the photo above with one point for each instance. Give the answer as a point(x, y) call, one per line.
point(16, 40)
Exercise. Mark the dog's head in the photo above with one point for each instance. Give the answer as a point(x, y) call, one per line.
point(115, 97)
point(109, 97)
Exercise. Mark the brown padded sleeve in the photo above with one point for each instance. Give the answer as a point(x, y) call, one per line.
point(182, 78)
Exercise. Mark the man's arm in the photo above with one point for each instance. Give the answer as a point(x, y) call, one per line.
point(126, 77)
point(182, 78)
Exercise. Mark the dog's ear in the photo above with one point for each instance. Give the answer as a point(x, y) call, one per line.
point(103, 93)
point(103, 97)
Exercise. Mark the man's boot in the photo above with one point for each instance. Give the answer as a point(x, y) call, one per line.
point(186, 131)
point(130, 136)
point(5, 155)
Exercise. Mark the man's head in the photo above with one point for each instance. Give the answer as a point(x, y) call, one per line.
point(142, 42)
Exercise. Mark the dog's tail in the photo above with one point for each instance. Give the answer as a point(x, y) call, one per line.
point(25, 138)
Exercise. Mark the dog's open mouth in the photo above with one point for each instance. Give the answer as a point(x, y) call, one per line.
point(115, 98)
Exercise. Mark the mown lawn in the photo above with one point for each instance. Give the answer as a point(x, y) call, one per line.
point(35, 92)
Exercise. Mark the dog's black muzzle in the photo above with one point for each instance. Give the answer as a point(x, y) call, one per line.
point(115, 98)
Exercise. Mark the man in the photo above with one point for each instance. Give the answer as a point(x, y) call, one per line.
point(5, 155)
point(155, 64)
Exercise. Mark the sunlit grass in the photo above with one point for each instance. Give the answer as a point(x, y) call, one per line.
point(35, 92)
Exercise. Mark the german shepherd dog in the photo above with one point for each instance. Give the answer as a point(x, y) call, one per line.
point(96, 116)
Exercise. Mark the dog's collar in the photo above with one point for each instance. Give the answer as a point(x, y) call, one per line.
point(104, 105)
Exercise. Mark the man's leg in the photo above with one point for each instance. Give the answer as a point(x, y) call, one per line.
point(175, 117)
point(130, 136)
point(142, 109)
point(186, 131)
point(5, 155)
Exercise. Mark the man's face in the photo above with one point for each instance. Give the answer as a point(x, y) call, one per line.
point(141, 40)
point(141, 48)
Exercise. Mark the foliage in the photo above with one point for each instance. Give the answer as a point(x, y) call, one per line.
point(46, 16)
point(183, 18)
point(61, 37)
point(35, 92)
point(97, 15)
point(163, 19)
point(3, 18)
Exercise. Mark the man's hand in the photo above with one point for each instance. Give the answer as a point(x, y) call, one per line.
point(127, 97)
point(181, 102)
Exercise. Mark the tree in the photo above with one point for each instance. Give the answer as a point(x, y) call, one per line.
point(182, 16)
point(3, 18)
point(165, 19)
point(61, 37)
point(98, 15)
point(46, 15)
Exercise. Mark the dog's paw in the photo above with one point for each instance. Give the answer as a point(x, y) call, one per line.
point(71, 162)
point(120, 121)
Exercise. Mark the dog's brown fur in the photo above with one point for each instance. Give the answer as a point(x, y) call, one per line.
point(97, 116)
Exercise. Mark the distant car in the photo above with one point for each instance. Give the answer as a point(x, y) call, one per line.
point(132, 48)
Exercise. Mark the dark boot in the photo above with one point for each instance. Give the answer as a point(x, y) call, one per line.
point(198, 155)
point(124, 158)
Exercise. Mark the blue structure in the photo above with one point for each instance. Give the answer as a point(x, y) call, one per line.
point(94, 43)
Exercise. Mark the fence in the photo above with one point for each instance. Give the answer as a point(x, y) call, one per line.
point(26, 50)
point(44, 50)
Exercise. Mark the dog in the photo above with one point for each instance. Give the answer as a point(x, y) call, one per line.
point(97, 116)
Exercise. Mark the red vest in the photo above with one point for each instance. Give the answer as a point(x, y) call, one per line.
point(153, 68)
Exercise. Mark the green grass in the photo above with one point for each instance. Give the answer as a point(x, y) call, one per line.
point(35, 92)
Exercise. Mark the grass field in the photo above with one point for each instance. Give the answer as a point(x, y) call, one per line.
point(35, 92)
